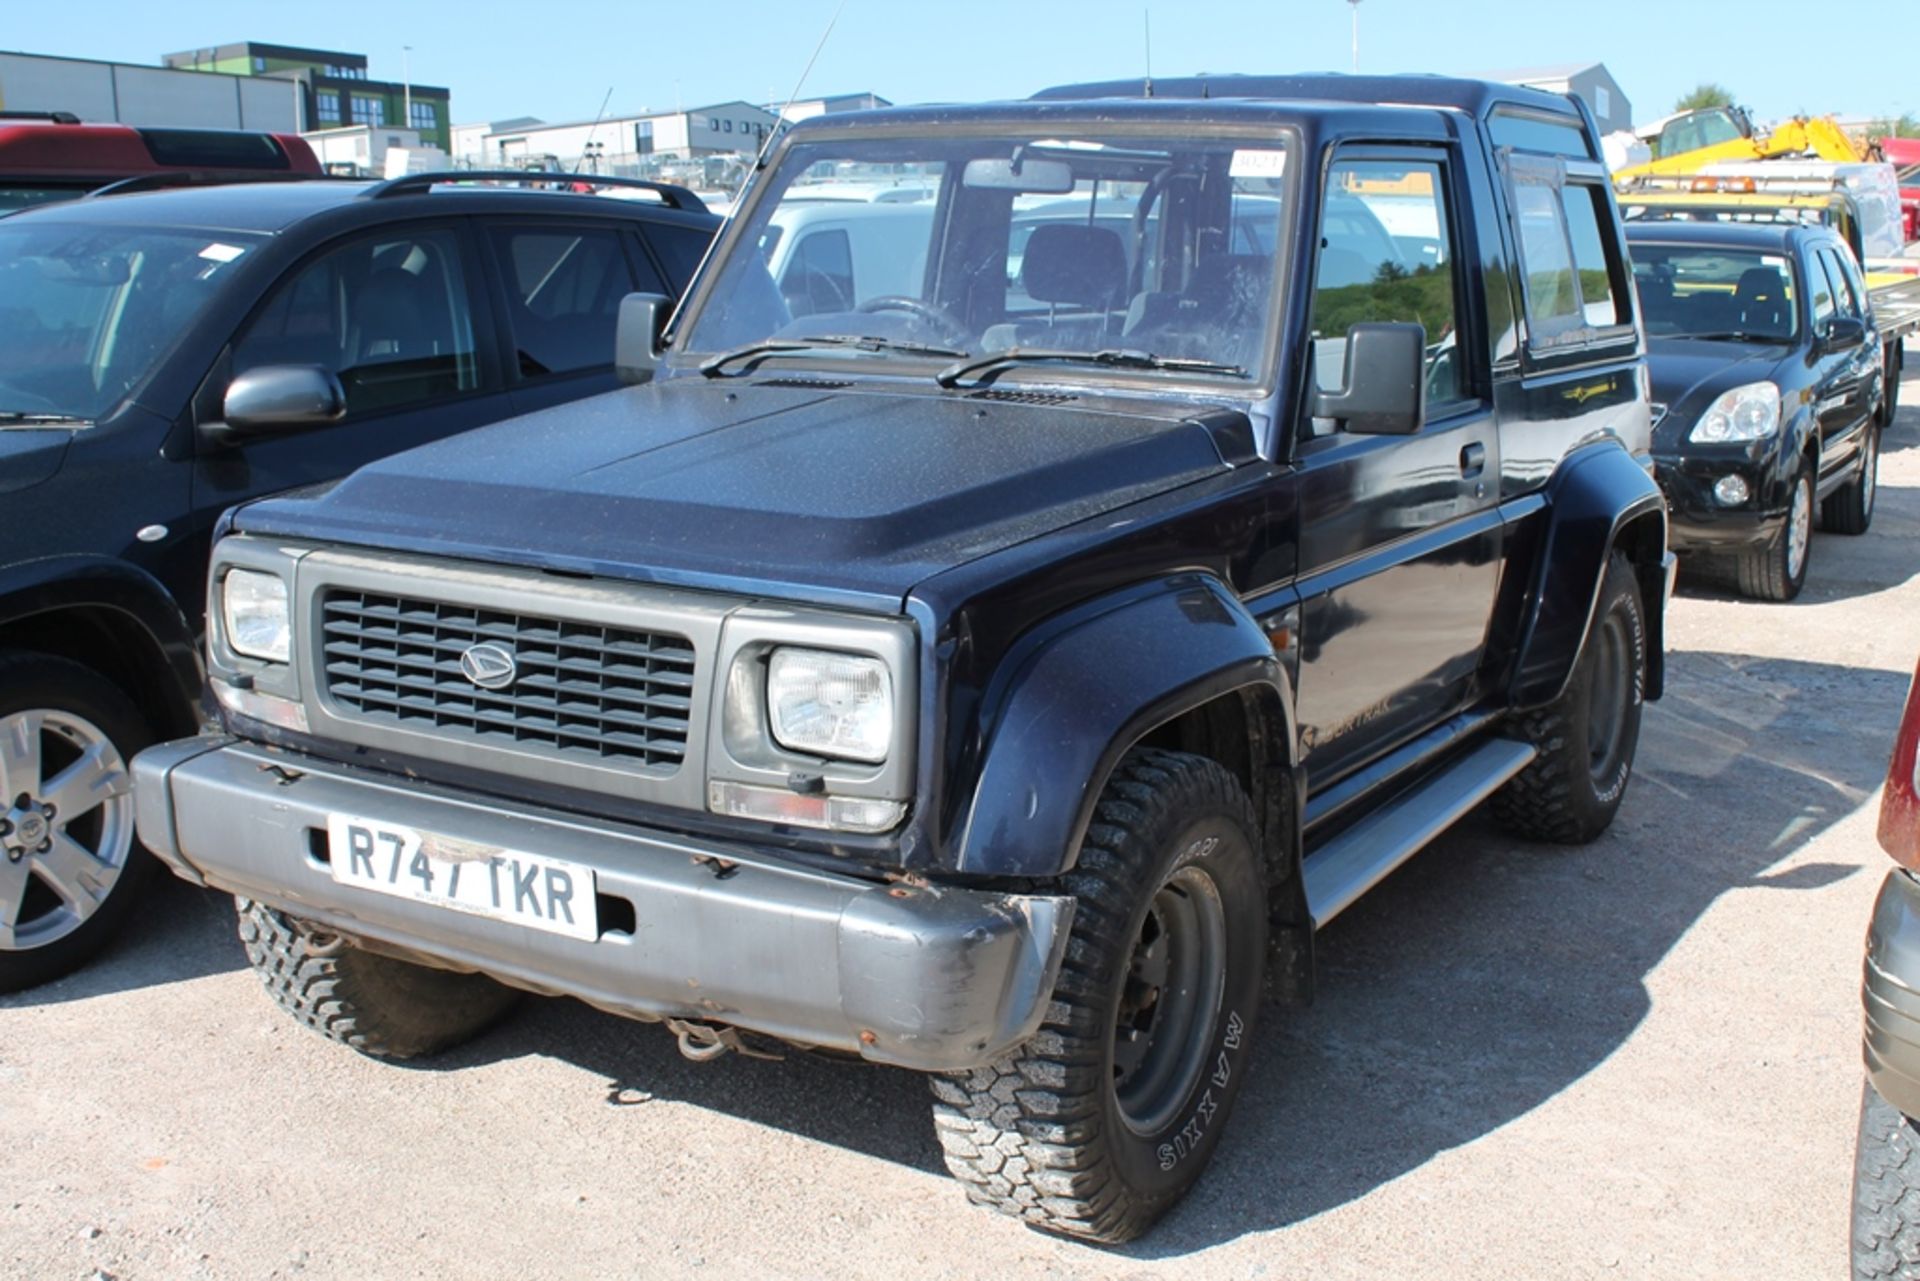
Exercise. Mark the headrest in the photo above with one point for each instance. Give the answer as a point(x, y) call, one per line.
point(1758, 282)
point(1074, 264)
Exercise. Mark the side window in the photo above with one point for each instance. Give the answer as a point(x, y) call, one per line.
point(819, 276)
point(1846, 297)
point(1575, 276)
point(388, 314)
point(1386, 254)
point(564, 286)
point(1822, 284)
point(680, 248)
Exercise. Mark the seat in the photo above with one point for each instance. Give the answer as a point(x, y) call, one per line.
point(1761, 301)
point(1074, 266)
point(390, 319)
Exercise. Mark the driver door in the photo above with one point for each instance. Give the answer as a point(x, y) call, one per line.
point(1400, 536)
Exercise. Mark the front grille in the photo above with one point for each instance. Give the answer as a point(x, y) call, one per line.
point(583, 692)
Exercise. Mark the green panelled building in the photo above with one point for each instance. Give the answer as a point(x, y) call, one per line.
point(334, 87)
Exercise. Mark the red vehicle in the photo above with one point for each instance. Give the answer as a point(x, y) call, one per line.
point(47, 156)
point(1904, 155)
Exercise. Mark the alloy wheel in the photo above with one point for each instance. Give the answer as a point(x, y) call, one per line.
point(66, 825)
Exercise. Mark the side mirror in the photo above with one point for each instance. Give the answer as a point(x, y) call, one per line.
point(1844, 332)
point(636, 336)
point(1385, 388)
point(277, 397)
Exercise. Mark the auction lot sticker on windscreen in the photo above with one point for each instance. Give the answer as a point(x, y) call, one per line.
point(1258, 163)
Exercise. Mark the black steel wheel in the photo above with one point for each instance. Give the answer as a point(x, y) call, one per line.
point(1103, 1120)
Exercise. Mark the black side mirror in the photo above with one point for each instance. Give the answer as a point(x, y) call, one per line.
point(280, 397)
point(636, 336)
point(1844, 332)
point(1385, 388)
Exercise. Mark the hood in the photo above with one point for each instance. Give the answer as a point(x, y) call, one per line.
point(1689, 373)
point(31, 455)
point(754, 486)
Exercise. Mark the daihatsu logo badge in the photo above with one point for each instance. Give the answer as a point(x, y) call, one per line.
point(489, 666)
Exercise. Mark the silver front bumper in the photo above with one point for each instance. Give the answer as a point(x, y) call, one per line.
point(929, 978)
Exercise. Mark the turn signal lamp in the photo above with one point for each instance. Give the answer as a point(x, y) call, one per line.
point(1900, 805)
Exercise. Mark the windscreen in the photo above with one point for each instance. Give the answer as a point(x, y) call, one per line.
point(1074, 242)
point(87, 310)
point(1710, 292)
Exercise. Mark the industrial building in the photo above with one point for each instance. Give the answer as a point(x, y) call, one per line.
point(106, 92)
point(334, 87)
point(628, 144)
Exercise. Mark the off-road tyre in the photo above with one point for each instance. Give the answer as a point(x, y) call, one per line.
point(1849, 509)
point(378, 1005)
point(1886, 1192)
point(40, 681)
point(1041, 1134)
point(1766, 572)
point(1571, 790)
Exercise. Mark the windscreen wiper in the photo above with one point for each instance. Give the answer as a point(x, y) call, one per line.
point(1111, 357)
point(34, 418)
point(1735, 335)
point(754, 353)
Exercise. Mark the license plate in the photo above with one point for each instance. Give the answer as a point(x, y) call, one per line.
point(533, 890)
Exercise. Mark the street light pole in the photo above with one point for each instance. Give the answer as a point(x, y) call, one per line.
point(1354, 5)
point(406, 83)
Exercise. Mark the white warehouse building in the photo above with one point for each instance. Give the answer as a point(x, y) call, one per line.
point(616, 144)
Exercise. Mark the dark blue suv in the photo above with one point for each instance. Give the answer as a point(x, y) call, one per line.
point(167, 354)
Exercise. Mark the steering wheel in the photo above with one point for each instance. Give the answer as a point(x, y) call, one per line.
point(945, 324)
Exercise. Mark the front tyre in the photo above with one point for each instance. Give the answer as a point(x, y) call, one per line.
point(1777, 570)
point(1104, 1119)
point(1849, 510)
point(378, 1005)
point(1587, 738)
point(1886, 1192)
point(71, 870)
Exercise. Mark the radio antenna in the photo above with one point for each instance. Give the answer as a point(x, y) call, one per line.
point(596, 129)
point(761, 159)
point(1146, 21)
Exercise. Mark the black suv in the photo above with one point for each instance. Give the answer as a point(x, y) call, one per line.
point(980, 679)
point(166, 354)
point(1770, 387)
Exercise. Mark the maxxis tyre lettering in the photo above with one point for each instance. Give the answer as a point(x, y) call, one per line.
point(1039, 1134)
point(1849, 510)
point(378, 1005)
point(1886, 1192)
point(30, 680)
point(1761, 572)
point(1557, 797)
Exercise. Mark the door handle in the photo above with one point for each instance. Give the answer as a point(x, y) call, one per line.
point(1473, 459)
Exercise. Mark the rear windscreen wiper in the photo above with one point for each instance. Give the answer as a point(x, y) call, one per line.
point(754, 353)
point(1111, 357)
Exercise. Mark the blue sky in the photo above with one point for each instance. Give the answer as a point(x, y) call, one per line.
point(558, 58)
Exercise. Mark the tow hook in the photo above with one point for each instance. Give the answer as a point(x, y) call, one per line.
point(703, 1042)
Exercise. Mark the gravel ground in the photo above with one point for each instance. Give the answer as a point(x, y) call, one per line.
point(1637, 1059)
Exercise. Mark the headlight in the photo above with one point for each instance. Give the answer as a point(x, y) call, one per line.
point(253, 608)
point(829, 704)
point(1751, 412)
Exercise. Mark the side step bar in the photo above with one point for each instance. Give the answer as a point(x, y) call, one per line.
point(1361, 857)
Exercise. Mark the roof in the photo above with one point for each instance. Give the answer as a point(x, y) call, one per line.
point(1473, 96)
point(1777, 236)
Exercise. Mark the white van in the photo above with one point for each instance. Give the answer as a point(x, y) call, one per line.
point(834, 255)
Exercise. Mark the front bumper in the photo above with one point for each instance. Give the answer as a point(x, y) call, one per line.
point(1696, 522)
point(931, 978)
point(1891, 993)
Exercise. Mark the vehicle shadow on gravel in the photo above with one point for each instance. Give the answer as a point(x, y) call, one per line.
point(1477, 983)
point(181, 933)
